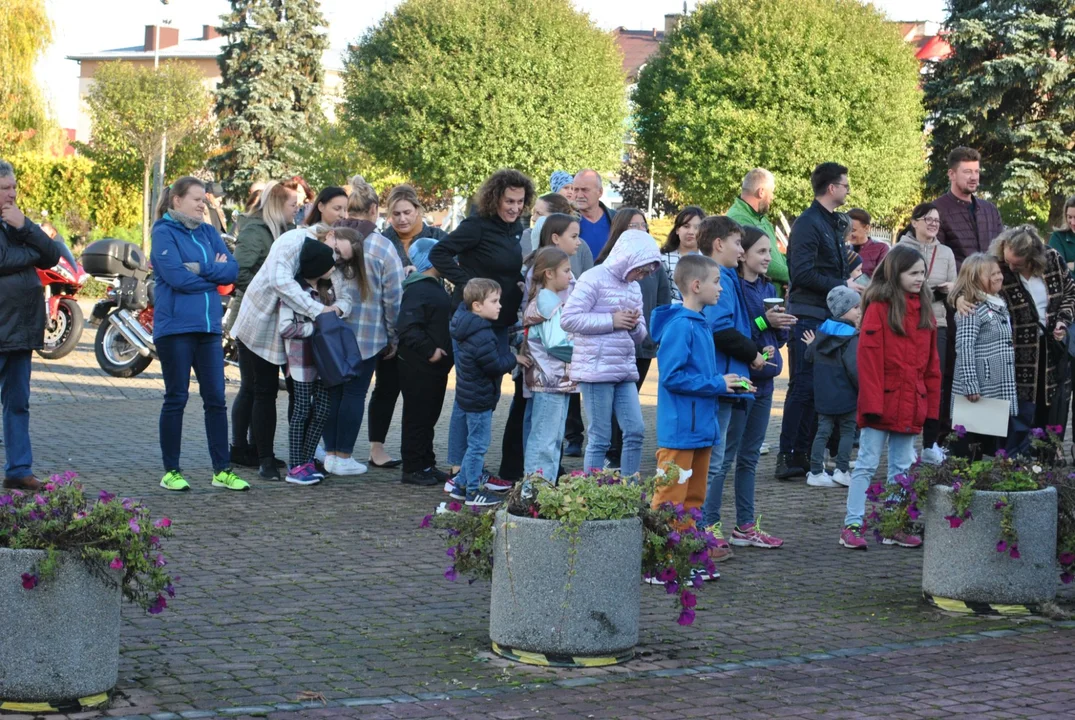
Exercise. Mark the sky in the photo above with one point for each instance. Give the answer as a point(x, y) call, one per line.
point(80, 26)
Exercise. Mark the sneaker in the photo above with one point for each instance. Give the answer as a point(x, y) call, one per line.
point(320, 468)
point(455, 492)
point(174, 480)
point(478, 498)
point(573, 449)
point(903, 540)
point(764, 449)
point(422, 478)
point(841, 478)
point(786, 468)
point(821, 479)
point(934, 455)
point(231, 481)
point(440, 474)
point(303, 475)
point(498, 485)
point(610, 464)
point(268, 471)
point(345, 466)
point(723, 551)
point(751, 535)
point(705, 574)
point(245, 456)
point(851, 537)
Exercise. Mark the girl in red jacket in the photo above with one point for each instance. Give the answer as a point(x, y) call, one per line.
point(899, 380)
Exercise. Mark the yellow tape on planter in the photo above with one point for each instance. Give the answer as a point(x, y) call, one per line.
point(533, 658)
point(977, 608)
point(86, 703)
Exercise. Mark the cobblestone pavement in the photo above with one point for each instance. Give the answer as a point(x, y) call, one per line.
point(334, 590)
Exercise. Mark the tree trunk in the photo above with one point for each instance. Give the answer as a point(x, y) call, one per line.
point(145, 207)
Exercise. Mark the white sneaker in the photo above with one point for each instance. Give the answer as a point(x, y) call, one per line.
point(347, 466)
point(319, 453)
point(934, 455)
point(841, 478)
point(764, 449)
point(821, 479)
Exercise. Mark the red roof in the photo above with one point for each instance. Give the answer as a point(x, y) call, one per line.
point(637, 47)
point(934, 47)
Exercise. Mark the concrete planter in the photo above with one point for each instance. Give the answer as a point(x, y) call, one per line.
point(963, 563)
point(533, 610)
point(60, 641)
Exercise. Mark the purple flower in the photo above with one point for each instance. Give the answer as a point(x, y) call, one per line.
point(953, 521)
point(1014, 552)
point(158, 605)
point(913, 512)
point(671, 588)
point(170, 589)
point(450, 575)
point(696, 515)
point(160, 561)
point(154, 541)
point(116, 564)
point(697, 557)
point(1067, 558)
point(1000, 454)
point(904, 481)
point(874, 491)
point(1000, 504)
point(40, 500)
point(1066, 578)
point(1055, 429)
point(686, 617)
point(425, 521)
point(673, 538)
point(6, 500)
point(49, 487)
point(134, 526)
point(163, 523)
point(956, 486)
point(960, 431)
point(450, 552)
point(1038, 434)
point(1002, 546)
point(688, 600)
point(106, 497)
point(455, 506)
point(698, 581)
point(967, 515)
point(667, 575)
point(29, 582)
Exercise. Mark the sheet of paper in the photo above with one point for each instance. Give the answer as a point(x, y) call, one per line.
point(988, 416)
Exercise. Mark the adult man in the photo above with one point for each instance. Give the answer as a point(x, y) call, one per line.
point(23, 246)
point(596, 221)
point(968, 223)
point(817, 262)
point(752, 208)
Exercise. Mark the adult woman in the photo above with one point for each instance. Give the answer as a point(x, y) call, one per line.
point(656, 291)
point(404, 221)
point(682, 240)
point(921, 235)
point(256, 328)
point(272, 219)
point(1063, 241)
point(189, 261)
point(306, 197)
point(330, 206)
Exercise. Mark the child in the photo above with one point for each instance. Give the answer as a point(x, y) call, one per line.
point(549, 349)
point(834, 353)
point(899, 380)
point(682, 241)
point(480, 364)
point(605, 315)
point(690, 383)
point(985, 357)
point(425, 359)
point(309, 398)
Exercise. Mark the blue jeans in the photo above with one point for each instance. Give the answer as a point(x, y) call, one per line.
point(796, 429)
point(479, 433)
point(601, 401)
point(847, 424)
point(749, 423)
point(548, 419)
point(346, 403)
point(15, 396)
point(715, 484)
point(178, 355)
point(901, 456)
point(457, 425)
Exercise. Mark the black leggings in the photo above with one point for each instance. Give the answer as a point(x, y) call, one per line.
point(383, 400)
point(262, 378)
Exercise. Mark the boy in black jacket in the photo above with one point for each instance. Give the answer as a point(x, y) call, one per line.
point(425, 356)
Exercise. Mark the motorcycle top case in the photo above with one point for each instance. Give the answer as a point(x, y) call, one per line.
point(118, 258)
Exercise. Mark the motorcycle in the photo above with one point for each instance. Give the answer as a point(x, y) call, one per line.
point(64, 327)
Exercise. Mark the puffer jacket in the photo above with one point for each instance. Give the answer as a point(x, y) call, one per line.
point(602, 353)
point(22, 299)
point(899, 377)
point(480, 363)
point(836, 374)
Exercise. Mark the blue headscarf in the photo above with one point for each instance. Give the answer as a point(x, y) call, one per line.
point(559, 179)
point(419, 253)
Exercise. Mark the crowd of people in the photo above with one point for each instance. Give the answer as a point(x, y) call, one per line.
point(882, 341)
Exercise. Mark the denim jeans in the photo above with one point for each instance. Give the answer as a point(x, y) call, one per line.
point(797, 425)
point(346, 404)
point(901, 455)
point(752, 416)
point(479, 430)
point(717, 470)
point(457, 425)
point(847, 424)
point(548, 416)
point(602, 401)
point(203, 353)
point(15, 396)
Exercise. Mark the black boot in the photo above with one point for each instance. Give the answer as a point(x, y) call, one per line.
point(802, 460)
point(787, 468)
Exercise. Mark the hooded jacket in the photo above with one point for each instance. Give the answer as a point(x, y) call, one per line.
point(602, 353)
point(424, 317)
point(22, 299)
point(731, 325)
point(834, 353)
point(547, 373)
point(755, 293)
point(480, 363)
point(690, 381)
point(186, 302)
point(427, 231)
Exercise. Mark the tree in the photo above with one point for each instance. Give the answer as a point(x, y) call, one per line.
point(448, 91)
point(25, 32)
point(329, 157)
point(784, 84)
point(633, 185)
point(1008, 90)
point(135, 106)
point(270, 88)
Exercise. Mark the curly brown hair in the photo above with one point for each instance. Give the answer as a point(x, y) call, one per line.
point(493, 189)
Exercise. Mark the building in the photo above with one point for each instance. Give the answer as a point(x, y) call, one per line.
point(163, 42)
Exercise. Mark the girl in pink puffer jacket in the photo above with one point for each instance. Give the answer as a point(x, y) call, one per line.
point(605, 315)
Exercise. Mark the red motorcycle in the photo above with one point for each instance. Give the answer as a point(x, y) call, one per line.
point(64, 327)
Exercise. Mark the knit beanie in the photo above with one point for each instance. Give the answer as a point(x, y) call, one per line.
point(841, 299)
point(559, 179)
point(419, 253)
point(315, 259)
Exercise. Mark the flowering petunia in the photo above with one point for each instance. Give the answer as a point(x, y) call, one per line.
point(49, 487)
point(688, 600)
point(667, 575)
point(160, 561)
point(686, 617)
point(673, 538)
point(29, 582)
point(170, 589)
point(6, 500)
point(696, 515)
point(158, 605)
point(106, 497)
point(698, 581)
point(116, 564)
point(455, 506)
point(1014, 552)
point(697, 557)
point(40, 500)
point(1067, 558)
point(1066, 578)
point(1000, 504)
point(163, 523)
point(953, 521)
point(960, 431)
point(671, 588)
point(450, 575)
point(425, 521)
point(1002, 546)
point(913, 512)
point(1038, 433)
point(134, 526)
point(450, 552)
point(1000, 454)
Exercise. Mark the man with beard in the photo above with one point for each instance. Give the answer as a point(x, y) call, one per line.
point(752, 208)
point(968, 223)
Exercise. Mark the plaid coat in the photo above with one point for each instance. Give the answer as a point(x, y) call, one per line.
point(1025, 324)
point(985, 357)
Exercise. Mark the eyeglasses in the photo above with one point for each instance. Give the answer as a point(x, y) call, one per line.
point(846, 186)
point(930, 221)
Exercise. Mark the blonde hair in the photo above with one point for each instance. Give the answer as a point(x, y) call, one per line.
point(404, 193)
point(1024, 242)
point(971, 281)
point(273, 211)
point(362, 199)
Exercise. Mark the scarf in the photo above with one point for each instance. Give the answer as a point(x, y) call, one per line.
point(186, 221)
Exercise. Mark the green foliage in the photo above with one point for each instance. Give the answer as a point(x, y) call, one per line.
point(1007, 90)
point(270, 88)
point(328, 156)
point(784, 84)
point(25, 121)
point(449, 91)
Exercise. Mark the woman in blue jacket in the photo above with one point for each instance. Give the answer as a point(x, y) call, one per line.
point(189, 261)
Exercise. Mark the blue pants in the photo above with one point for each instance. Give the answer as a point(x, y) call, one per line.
point(901, 456)
point(457, 426)
point(548, 419)
point(602, 401)
point(742, 445)
point(346, 405)
point(715, 483)
point(796, 430)
point(203, 353)
point(479, 432)
point(15, 397)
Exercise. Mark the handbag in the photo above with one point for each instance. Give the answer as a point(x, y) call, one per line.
point(335, 350)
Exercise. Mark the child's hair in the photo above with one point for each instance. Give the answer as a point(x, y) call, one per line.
point(545, 259)
point(751, 236)
point(177, 189)
point(693, 267)
point(362, 199)
point(716, 227)
point(478, 289)
point(620, 224)
point(557, 203)
point(671, 244)
point(885, 287)
point(555, 224)
point(970, 283)
point(323, 198)
point(355, 268)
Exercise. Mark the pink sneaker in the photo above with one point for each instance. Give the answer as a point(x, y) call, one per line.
point(751, 535)
point(851, 537)
point(723, 551)
point(497, 485)
point(903, 540)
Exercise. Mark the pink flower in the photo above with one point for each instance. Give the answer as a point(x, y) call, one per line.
point(134, 526)
point(953, 521)
point(40, 500)
point(450, 575)
point(689, 600)
point(160, 561)
point(1067, 558)
point(116, 564)
point(29, 582)
point(455, 506)
point(1066, 578)
point(49, 487)
point(1002, 546)
point(913, 512)
point(425, 521)
point(106, 497)
point(686, 617)
point(163, 523)
point(1014, 552)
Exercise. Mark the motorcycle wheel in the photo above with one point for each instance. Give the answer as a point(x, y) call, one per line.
point(115, 355)
point(62, 335)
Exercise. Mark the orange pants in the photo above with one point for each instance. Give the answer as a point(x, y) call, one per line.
point(691, 493)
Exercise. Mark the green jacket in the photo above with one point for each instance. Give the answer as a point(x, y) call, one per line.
point(1063, 241)
point(743, 214)
point(251, 248)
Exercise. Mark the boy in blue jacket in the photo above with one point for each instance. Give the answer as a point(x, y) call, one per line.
point(690, 383)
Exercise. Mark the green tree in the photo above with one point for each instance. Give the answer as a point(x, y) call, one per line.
point(270, 88)
point(327, 156)
point(448, 91)
point(1008, 89)
point(784, 84)
point(633, 185)
point(25, 32)
point(135, 107)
